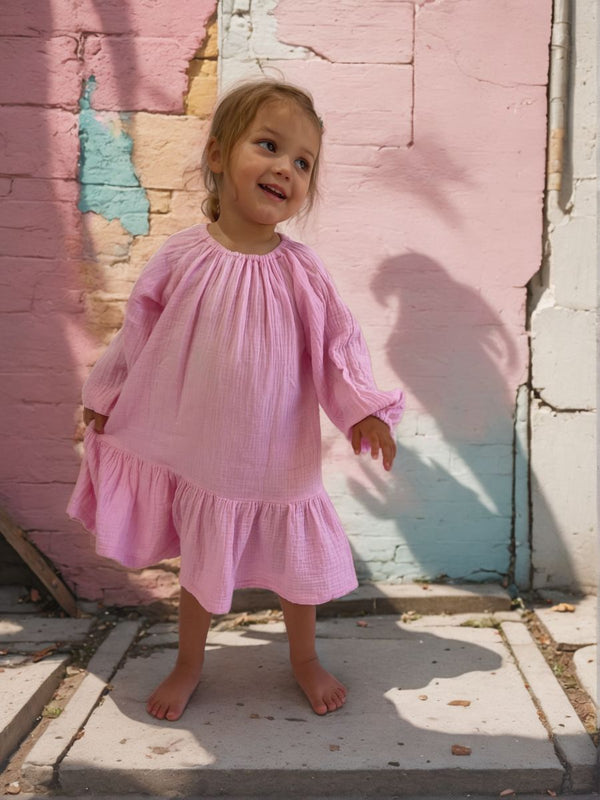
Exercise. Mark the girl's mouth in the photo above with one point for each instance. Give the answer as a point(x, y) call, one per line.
point(273, 190)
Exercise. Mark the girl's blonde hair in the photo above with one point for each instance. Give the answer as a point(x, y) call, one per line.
point(235, 113)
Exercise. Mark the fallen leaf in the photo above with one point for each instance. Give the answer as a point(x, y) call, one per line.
point(43, 653)
point(410, 616)
point(13, 788)
point(422, 697)
point(79, 734)
point(159, 750)
point(551, 792)
point(464, 703)
point(51, 712)
point(254, 716)
point(562, 607)
point(361, 623)
point(507, 792)
point(460, 750)
point(334, 747)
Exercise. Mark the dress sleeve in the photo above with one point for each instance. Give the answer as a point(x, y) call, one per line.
point(146, 302)
point(341, 365)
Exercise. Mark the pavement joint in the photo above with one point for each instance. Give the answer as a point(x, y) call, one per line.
point(44, 758)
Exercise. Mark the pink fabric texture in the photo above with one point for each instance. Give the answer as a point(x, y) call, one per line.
point(212, 449)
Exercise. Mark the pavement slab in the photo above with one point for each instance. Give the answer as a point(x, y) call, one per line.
point(570, 629)
point(17, 630)
point(391, 598)
point(248, 730)
point(24, 691)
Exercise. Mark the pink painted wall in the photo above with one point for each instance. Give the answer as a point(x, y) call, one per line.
point(139, 53)
point(430, 223)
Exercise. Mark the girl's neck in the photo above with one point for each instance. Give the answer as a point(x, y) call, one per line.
point(254, 241)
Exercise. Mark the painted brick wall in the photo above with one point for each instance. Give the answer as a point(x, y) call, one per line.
point(430, 222)
point(103, 105)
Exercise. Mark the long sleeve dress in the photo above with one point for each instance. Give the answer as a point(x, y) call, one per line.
point(212, 449)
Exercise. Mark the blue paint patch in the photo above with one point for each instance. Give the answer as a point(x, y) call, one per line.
point(109, 185)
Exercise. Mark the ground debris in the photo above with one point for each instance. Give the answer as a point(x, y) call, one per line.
point(52, 712)
point(230, 621)
point(563, 608)
point(41, 654)
point(410, 616)
point(464, 703)
point(480, 622)
point(461, 750)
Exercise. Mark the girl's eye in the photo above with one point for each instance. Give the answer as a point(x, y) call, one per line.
point(303, 164)
point(267, 145)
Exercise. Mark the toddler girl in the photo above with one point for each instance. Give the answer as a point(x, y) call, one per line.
point(205, 439)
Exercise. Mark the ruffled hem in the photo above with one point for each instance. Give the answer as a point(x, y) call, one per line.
point(142, 512)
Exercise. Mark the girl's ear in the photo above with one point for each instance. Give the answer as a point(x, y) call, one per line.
point(214, 157)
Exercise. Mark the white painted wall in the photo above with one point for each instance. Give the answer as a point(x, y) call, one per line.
point(563, 330)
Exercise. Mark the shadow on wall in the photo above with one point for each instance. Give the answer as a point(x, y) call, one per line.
point(451, 491)
point(44, 312)
point(40, 246)
point(109, 276)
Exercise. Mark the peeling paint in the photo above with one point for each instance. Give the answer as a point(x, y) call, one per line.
point(109, 185)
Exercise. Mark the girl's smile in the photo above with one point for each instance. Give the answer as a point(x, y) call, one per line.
point(267, 177)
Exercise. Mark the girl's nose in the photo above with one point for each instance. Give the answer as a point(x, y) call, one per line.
point(283, 167)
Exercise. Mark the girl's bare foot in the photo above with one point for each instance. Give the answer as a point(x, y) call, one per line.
point(323, 690)
point(169, 699)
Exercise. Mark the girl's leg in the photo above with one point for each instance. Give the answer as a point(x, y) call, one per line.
point(324, 691)
point(169, 700)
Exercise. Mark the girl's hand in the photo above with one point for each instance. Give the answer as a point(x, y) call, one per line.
point(99, 419)
point(377, 433)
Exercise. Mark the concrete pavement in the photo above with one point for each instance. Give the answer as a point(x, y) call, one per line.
point(439, 705)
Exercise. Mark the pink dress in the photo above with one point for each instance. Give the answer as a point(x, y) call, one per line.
point(213, 445)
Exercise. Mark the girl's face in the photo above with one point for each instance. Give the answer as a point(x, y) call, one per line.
point(267, 176)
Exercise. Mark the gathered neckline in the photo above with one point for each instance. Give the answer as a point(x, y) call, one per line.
point(221, 247)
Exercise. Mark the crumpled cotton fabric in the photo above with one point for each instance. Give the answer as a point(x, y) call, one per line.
point(212, 450)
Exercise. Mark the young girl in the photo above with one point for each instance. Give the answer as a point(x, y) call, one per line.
point(204, 438)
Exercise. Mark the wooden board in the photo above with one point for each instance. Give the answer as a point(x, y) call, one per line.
point(38, 564)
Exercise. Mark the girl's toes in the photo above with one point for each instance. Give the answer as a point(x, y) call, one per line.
point(331, 704)
point(320, 708)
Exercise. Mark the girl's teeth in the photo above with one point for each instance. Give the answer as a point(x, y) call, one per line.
point(273, 191)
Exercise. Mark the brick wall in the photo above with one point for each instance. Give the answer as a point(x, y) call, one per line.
point(148, 74)
point(430, 223)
